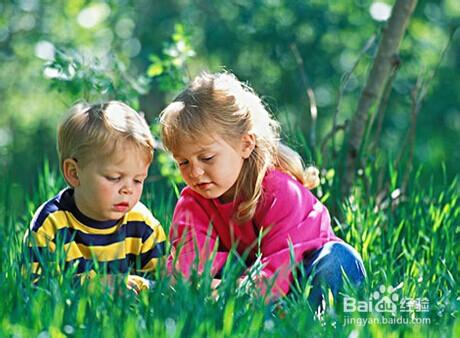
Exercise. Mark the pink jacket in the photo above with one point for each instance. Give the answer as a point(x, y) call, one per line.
point(288, 213)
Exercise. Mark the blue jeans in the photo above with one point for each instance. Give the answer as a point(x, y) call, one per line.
point(326, 266)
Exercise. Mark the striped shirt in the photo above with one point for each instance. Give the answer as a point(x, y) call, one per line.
point(133, 243)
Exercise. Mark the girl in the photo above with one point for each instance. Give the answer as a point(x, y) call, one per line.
point(242, 182)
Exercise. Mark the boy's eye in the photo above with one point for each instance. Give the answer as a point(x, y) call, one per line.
point(181, 163)
point(138, 181)
point(112, 178)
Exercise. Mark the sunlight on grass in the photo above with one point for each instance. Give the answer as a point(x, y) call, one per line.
point(407, 240)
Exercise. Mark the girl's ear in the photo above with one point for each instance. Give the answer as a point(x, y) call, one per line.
point(248, 143)
point(70, 172)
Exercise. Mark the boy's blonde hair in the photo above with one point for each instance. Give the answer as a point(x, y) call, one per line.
point(221, 103)
point(94, 131)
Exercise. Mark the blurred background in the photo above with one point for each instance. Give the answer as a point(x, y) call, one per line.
point(53, 53)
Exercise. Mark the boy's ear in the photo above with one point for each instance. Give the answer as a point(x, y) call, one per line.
point(70, 172)
point(248, 143)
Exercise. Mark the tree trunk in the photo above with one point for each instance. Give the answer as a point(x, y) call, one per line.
point(387, 55)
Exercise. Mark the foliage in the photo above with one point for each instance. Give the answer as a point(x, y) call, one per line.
point(399, 238)
point(170, 70)
point(93, 79)
point(252, 39)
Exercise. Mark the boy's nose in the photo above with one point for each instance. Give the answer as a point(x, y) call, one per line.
point(127, 189)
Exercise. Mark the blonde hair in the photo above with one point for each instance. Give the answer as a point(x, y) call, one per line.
point(222, 103)
point(91, 131)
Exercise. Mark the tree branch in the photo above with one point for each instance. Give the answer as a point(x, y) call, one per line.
point(380, 71)
point(382, 108)
point(343, 84)
point(310, 94)
point(418, 94)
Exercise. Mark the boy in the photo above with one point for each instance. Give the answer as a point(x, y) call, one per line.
point(105, 151)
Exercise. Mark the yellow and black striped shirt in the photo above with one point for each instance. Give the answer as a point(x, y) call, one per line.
point(132, 244)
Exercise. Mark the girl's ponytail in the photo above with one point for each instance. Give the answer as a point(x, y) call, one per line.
point(289, 161)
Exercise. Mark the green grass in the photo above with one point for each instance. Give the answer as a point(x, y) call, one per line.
point(409, 242)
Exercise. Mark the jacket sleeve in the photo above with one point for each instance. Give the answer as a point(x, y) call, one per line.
point(193, 239)
point(294, 222)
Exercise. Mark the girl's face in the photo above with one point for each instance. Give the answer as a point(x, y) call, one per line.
point(211, 166)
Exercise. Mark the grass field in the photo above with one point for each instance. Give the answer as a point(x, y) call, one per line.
point(408, 242)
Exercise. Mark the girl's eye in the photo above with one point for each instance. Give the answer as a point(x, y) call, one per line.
point(138, 181)
point(182, 163)
point(206, 159)
point(113, 179)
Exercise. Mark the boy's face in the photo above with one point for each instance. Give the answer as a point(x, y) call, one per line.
point(211, 167)
point(109, 187)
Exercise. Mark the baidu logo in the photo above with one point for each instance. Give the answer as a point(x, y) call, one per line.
point(386, 300)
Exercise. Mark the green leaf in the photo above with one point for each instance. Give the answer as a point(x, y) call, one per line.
point(155, 69)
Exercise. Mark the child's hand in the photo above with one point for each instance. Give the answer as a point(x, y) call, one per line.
point(133, 282)
point(138, 283)
point(245, 284)
point(214, 285)
point(255, 286)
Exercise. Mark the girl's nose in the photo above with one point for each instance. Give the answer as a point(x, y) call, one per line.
point(196, 171)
